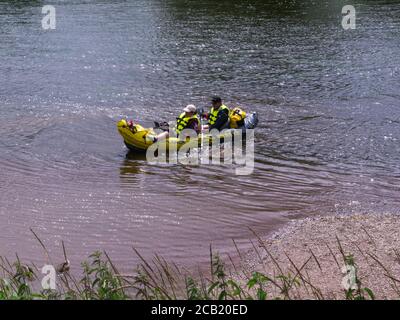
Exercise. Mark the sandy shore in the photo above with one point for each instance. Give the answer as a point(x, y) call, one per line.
point(368, 237)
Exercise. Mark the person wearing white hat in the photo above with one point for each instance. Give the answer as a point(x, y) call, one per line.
point(188, 119)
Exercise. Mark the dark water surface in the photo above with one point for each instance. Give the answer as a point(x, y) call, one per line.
point(328, 140)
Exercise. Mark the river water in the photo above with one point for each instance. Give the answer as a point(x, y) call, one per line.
point(328, 139)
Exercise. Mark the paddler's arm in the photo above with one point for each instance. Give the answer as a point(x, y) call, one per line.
point(193, 124)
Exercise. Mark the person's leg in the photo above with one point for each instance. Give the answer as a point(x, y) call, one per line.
point(155, 138)
point(163, 135)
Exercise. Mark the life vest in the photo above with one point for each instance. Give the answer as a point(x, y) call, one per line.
point(213, 116)
point(236, 117)
point(182, 121)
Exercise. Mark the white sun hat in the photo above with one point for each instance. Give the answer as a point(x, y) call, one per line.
point(190, 108)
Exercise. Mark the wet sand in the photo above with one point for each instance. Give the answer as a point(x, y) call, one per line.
point(373, 240)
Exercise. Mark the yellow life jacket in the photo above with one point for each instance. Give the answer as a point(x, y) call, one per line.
point(213, 116)
point(236, 117)
point(182, 121)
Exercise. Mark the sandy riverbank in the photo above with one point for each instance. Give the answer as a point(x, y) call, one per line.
point(373, 240)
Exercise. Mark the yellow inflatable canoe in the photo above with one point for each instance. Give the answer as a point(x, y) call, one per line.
point(136, 139)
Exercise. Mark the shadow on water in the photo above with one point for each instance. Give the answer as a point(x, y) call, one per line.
point(132, 164)
point(21, 8)
point(134, 155)
point(282, 8)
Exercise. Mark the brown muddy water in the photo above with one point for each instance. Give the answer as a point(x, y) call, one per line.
point(328, 139)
